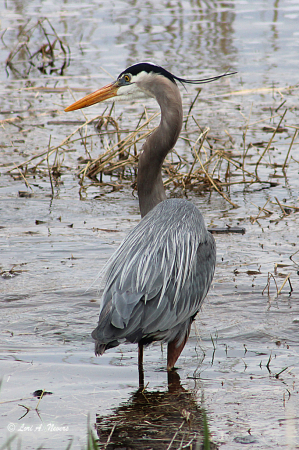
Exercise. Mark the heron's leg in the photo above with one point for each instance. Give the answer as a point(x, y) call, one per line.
point(140, 365)
point(173, 352)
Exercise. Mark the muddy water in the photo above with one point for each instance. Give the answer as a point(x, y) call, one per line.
point(241, 361)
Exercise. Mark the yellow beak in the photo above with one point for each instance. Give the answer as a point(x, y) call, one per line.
point(98, 96)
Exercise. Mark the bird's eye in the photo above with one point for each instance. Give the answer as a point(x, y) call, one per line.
point(127, 78)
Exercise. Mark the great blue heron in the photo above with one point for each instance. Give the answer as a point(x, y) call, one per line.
point(160, 274)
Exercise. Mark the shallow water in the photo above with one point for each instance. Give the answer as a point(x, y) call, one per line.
point(241, 361)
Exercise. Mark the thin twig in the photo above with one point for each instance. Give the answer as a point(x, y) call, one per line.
point(110, 435)
point(20, 172)
point(49, 169)
point(175, 434)
point(266, 211)
point(283, 284)
point(281, 207)
point(213, 183)
point(269, 143)
point(191, 106)
point(201, 136)
point(291, 144)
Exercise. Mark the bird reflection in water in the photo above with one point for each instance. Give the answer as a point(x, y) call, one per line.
point(155, 420)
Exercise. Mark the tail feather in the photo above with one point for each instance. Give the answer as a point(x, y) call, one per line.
point(100, 348)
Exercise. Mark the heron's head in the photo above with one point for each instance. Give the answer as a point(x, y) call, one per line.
point(136, 82)
point(133, 83)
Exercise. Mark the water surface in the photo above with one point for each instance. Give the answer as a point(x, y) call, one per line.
point(241, 361)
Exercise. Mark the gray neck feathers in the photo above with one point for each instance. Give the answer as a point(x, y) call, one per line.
point(159, 143)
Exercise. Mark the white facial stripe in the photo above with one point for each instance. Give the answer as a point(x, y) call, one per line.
point(130, 92)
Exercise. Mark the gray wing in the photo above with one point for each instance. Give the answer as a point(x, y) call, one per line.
point(158, 277)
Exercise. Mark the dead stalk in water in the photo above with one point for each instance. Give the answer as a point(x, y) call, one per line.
point(49, 170)
point(278, 291)
point(24, 178)
point(281, 207)
point(266, 211)
point(291, 258)
point(201, 137)
point(289, 150)
point(244, 140)
point(213, 183)
point(287, 278)
point(269, 143)
point(270, 275)
point(191, 107)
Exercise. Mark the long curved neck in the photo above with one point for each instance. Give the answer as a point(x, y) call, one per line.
point(159, 143)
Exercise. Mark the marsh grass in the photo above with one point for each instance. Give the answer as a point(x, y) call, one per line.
point(203, 161)
point(52, 56)
point(213, 163)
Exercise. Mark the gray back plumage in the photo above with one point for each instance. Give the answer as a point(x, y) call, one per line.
point(158, 277)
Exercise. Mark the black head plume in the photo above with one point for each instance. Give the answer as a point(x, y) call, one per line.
point(203, 80)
